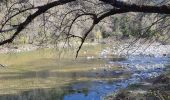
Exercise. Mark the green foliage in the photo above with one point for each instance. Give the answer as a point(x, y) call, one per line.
point(124, 27)
point(135, 32)
point(106, 34)
point(148, 33)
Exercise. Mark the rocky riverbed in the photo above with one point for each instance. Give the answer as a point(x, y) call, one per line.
point(143, 69)
point(10, 48)
point(16, 48)
point(157, 89)
point(148, 64)
point(142, 66)
point(126, 49)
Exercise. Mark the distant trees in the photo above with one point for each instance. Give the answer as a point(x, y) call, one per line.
point(54, 20)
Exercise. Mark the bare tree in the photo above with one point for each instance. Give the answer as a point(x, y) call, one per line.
point(61, 18)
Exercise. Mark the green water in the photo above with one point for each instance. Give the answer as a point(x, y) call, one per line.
point(48, 68)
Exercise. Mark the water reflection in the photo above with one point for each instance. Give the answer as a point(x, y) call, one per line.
point(38, 94)
point(72, 75)
point(78, 91)
point(141, 68)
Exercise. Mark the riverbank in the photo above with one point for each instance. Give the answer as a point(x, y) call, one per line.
point(144, 49)
point(11, 48)
point(95, 75)
point(154, 89)
point(17, 48)
point(114, 47)
point(153, 83)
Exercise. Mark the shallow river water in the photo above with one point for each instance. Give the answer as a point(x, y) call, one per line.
point(139, 68)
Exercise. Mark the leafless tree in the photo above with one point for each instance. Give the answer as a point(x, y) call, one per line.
point(62, 18)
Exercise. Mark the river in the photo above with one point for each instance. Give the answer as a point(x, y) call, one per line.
point(141, 67)
point(96, 87)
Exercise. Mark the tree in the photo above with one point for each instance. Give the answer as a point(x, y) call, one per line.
point(69, 13)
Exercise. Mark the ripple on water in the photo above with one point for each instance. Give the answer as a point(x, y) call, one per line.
point(142, 67)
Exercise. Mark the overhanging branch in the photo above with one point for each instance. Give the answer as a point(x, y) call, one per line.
point(164, 9)
point(30, 18)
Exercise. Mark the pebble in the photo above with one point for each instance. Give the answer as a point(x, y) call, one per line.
point(90, 57)
point(154, 50)
point(94, 68)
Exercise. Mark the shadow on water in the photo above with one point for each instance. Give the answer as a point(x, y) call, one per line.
point(75, 91)
point(39, 94)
